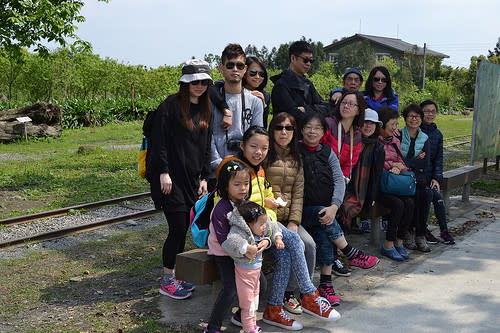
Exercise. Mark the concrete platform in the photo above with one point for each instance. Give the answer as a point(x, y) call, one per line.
point(453, 288)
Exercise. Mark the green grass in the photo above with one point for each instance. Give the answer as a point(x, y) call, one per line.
point(55, 173)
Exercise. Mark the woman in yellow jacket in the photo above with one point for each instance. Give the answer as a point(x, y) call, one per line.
point(284, 171)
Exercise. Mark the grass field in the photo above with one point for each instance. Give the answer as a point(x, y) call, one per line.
point(51, 172)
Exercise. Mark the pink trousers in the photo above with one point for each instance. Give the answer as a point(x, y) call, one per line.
point(247, 286)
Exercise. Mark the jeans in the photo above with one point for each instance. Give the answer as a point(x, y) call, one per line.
point(291, 256)
point(310, 254)
point(434, 196)
point(323, 235)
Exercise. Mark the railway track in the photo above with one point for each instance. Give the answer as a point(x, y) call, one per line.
point(77, 228)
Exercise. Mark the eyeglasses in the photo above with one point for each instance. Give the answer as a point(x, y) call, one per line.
point(197, 82)
point(254, 72)
point(313, 129)
point(349, 104)
point(429, 112)
point(379, 79)
point(238, 64)
point(306, 59)
point(280, 128)
point(414, 116)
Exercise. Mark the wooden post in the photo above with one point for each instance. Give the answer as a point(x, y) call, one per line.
point(496, 162)
point(132, 93)
point(423, 77)
point(485, 165)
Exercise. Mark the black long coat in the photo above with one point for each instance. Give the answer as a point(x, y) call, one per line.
point(183, 154)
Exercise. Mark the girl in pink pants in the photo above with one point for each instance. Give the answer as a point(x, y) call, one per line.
point(251, 233)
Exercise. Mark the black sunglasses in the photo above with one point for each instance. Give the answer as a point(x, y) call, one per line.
point(379, 79)
point(280, 128)
point(238, 64)
point(306, 59)
point(197, 82)
point(254, 72)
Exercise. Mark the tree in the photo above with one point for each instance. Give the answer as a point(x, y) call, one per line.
point(25, 24)
point(496, 50)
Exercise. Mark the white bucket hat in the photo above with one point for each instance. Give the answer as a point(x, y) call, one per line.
point(195, 69)
point(372, 115)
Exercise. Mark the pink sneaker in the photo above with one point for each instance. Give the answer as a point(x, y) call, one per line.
point(172, 288)
point(363, 260)
point(326, 291)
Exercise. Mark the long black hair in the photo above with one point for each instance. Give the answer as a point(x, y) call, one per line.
point(369, 82)
point(253, 59)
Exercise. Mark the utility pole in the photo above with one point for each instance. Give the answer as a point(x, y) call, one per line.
point(423, 78)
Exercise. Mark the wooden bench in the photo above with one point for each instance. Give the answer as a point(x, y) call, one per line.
point(374, 214)
point(462, 176)
point(196, 266)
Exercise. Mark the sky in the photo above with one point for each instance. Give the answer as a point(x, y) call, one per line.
point(168, 32)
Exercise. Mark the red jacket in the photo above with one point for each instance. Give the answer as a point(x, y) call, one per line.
point(331, 139)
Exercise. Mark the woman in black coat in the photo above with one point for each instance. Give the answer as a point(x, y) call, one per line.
point(179, 162)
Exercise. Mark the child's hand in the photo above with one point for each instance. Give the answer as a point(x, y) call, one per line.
point(279, 243)
point(263, 244)
point(251, 252)
point(270, 203)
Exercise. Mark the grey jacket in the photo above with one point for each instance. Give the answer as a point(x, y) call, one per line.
point(240, 236)
point(241, 122)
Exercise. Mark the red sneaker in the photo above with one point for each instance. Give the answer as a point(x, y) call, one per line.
point(276, 316)
point(326, 291)
point(319, 307)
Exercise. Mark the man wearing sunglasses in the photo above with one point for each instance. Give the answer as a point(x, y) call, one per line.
point(293, 92)
point(352, 81)
point(243, 108)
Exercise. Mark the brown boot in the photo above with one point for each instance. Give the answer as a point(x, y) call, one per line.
point(319, 307)
point(274, 315)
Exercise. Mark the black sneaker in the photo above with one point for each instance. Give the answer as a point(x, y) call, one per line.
point(446, 237)
point(429, 237)
point(339, 269)
point(236, 318)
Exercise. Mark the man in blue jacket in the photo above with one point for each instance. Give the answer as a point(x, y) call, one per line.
point(352, 81)
point(434, 173)
point(293, 92)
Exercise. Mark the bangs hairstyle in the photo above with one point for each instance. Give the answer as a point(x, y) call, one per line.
point(250, 211)
point(206, 113)
point(415, 108)
point(360, 100)
point(253, 59)
point(232, 51)
point(385, 114)
point(369, 82)
point(314, 115)
point(254, 130)
point(227, 172)
point(294, 151)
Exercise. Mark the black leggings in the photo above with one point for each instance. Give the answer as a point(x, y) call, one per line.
point(178, 223)
point(400, 216)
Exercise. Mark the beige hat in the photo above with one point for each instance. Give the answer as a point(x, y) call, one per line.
point(195, 69)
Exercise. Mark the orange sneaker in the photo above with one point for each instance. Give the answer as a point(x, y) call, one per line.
point(319, 307)
point(276, 316)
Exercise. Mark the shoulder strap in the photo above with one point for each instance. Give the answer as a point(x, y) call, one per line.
point(399, 153)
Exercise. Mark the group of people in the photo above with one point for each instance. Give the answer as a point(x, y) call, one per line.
point(291, 190)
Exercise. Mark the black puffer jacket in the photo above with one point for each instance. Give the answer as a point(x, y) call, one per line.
point(291, 91)
point(435, 171)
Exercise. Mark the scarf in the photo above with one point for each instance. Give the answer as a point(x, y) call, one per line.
point(358, 186)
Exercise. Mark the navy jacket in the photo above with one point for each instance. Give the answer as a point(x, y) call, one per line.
point(435, 171)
